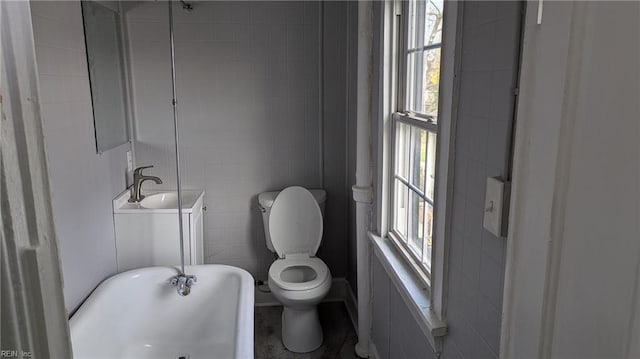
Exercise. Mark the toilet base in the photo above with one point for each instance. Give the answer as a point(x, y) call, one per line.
point(301, 330)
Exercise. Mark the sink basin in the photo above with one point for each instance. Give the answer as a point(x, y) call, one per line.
point(159, 202)
point(164, 200)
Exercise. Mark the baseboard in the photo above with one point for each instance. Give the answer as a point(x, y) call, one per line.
point(373, 351)
point(351, 303)
point(340, 292)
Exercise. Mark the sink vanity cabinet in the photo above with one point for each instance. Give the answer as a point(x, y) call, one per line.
point(147, 233)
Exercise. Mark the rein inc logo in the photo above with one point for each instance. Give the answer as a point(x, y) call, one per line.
point(15, 354)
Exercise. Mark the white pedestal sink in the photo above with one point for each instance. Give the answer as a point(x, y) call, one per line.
point(147, 233)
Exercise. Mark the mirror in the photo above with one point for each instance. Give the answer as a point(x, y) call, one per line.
point(105, 60)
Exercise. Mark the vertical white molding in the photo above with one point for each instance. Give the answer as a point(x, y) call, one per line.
point(556, 234)
point(129, 100)
point(563, 164)
point(537, 138)
point(633, 339)
point(388, 105)
point(362, 190)
point(449, 83)
point(31, 278)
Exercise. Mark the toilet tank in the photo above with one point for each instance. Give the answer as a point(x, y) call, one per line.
point(265, 201)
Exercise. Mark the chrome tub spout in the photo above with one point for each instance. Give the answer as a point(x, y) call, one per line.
point(183, 283)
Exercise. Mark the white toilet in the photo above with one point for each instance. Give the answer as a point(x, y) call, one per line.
point(299, 280)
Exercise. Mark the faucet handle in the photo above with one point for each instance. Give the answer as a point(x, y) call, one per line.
point(138, 170)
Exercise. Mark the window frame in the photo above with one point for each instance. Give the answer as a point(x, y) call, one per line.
point(423, 121)
point(444, 123)
point(402, 50)
point(396, 238)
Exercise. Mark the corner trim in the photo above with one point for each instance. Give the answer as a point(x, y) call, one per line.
point(373, 350)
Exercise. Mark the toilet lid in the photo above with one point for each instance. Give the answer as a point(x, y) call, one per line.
point(295, 222)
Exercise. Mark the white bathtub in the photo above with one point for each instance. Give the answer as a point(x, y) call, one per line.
point(138, 314)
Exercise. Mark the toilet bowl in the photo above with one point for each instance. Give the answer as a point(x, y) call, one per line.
point(297, 278)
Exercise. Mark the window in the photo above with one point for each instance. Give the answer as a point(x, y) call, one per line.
point(414, 133)
point(423, 39)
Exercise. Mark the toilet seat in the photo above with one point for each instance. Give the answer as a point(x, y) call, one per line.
point(280, 265)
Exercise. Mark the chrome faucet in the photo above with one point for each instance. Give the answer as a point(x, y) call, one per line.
point(138, 178)
point(183, 282)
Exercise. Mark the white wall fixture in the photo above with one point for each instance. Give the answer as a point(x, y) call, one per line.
point(147, 233)
point(494, 208)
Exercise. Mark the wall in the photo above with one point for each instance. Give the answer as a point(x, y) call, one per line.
point(352, 80)
point(338, 138)
point(574, 254)
point(249, 111)
point(490, 47)
point(83, 183)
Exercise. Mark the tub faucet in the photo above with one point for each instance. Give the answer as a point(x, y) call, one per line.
point(138, 178)
point(183, 283)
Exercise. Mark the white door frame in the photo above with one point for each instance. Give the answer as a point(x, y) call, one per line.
point(34, 320)
point(557, 79)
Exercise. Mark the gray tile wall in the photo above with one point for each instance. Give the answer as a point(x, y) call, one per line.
point(248, 90)
point(490, 45)
point(337, 137)
point(83, 183)
point(352, 59)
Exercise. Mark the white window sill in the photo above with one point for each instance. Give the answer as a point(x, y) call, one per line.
point(411, 289)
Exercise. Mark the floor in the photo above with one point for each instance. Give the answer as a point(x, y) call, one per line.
point(339, 335)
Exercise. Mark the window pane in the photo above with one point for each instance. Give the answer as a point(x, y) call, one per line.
point(433, 22)
point(402, 149)
point(431, 82)
point(414, 21)
point(425, 23)
point(423, 81)
point(418, 157)
point(416, 233)
point(414, 91)
point(401, 208)
point(428, 237)
point(431, 164)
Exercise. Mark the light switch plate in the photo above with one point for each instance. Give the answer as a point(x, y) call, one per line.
point(494, 206)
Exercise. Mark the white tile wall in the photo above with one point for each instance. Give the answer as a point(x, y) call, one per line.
point(247, 84)
point(337, 139)
point(406, 338)
point(489, 62)
point(83, 183)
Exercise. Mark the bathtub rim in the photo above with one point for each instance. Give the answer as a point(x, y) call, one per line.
point(244, 341)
